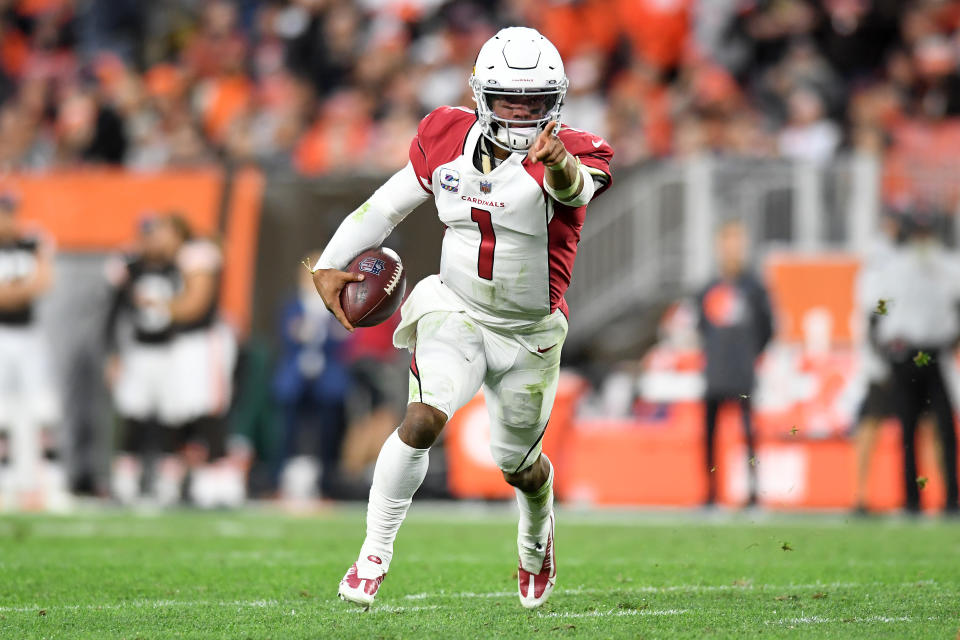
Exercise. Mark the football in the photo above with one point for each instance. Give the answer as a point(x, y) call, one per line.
point(379, 295)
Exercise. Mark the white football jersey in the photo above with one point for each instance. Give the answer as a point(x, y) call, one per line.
point(508, 248)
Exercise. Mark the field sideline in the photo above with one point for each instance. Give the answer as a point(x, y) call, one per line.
point(257, 574)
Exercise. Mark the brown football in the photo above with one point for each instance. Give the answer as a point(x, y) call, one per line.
point(379, 295)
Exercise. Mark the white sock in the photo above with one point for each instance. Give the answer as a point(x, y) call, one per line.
point(233, 485)
point(399, 472)
point(125, 480)
point(534, 527)
point(168, 480)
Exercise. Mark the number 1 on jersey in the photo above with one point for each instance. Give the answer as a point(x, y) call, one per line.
point(488, 241)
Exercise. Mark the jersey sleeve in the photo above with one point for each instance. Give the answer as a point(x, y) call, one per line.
point(370, 224)
point(440, 138)
point(418, 160)
point(199, 255)
point(116, 271)
point(593, 152)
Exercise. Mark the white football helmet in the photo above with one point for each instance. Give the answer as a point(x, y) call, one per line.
point(522, 67)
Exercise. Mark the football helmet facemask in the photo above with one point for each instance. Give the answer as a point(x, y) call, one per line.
point(519, 74)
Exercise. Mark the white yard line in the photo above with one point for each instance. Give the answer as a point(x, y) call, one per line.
point(823, 620)
point(189, 604)
point(682, 588)
point(147, 604)
point(615, 613)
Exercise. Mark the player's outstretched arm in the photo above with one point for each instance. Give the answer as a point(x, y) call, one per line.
point(561, 167)
point(565, 179)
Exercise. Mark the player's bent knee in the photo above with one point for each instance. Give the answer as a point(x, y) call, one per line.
point(530, 479)
point(421, 425)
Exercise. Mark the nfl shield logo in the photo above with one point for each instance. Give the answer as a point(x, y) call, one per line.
point(485, 186)
point(372, 265)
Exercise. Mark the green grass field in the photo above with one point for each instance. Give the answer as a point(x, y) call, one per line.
point(621, 575)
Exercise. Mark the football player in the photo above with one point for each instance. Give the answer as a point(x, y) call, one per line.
point(140, 369)
point(511, 186)
point(201, 360)
point(204, 354)
point(29, 408)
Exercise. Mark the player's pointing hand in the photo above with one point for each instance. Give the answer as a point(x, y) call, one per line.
point(547, 148)
point(329, 284)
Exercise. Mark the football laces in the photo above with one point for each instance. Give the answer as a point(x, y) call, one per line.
point(394, 279)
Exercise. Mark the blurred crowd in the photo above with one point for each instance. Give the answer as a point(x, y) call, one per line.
point(339, 85)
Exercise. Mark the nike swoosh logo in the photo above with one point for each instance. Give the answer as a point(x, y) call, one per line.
point(596, 143)
point(539, 350)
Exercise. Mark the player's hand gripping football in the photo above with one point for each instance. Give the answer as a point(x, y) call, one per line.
point(329, 284)
point(547, 148)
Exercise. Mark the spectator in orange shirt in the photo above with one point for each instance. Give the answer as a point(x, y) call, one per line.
point(339, 138)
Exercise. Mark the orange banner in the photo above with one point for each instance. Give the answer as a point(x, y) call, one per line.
point(800, 284)
point(89, 210)
point(99, 209)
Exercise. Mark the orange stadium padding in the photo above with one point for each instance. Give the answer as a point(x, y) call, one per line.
point(91, 210)
point(624, 462)
point(240, 247)
point(98, 210)
point(659, 462)
point(799, 283)
point(804, 458)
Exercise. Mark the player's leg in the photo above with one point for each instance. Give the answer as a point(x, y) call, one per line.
point(197, 394)
point(445, 372)
point(135, 401)
point(128, 463)
point(711, 407)
point(865, 437)
point(170, 469)
point(212, 481)
point(519, 401)
point(746, 418)
point(909, 404)
point(942, 410)
point(36, 419)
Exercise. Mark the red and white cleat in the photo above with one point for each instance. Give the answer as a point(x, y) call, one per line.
point(362, 581)
point(535, 588)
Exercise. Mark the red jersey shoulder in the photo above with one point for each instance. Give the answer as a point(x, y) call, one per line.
point(444, 122)
point(440, 138)
point(591, 149)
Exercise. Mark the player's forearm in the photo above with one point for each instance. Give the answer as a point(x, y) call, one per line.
point(117, 297)
point(187, 310)
point(363, 229)
point(42, 280)
point(16, 295)
point(569, 182)
point(190, 306)
point(563, 175)
point(370, 224)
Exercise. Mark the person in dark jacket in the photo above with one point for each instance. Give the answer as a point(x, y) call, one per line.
point(735, 326)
